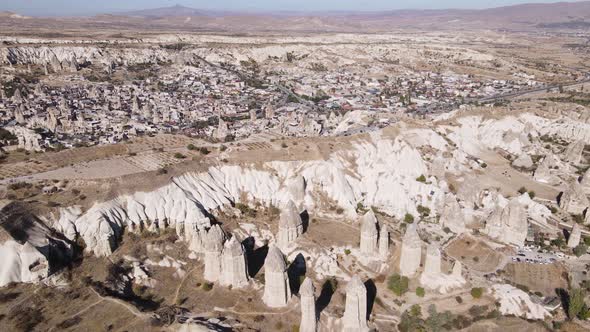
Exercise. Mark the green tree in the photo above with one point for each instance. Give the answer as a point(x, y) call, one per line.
point(575, 302)
point(580, 250)
point(476, 292)
point(398, 284)
point(408, 218)
point(420, 292)
point(436, 320)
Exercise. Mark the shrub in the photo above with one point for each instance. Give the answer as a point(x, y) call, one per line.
point(408, 218)
point(423, 210)
point(162, 171)
point(421, 178)
point(580, 250)
point(522, 190)
point(398, 284)
point(191, 147)
point(204, 151)
point(347, 252)
point(476, 292)
point(532, 194)
point(179, 155)
point(459, 299)
point(284, 145)
point(420, 292)
point(207, 286)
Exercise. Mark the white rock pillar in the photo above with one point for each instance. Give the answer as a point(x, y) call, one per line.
point(585, 183)
point(574, 200)
point(369, 234)
point(457, 270)
point(276, 281)
point(355, 310)
point(575, 236)
point(432, 263)
point(411, 252)
point(308, 310)
point(213, 246)
point(290, 225)
point(384, 242)
point(452, 216)
point(234, 267)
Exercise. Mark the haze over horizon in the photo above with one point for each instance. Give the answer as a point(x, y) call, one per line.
point(69, 7)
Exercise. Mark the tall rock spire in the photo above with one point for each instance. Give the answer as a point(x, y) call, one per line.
point(213, 246)
point(355, 310)
point(276, 281)
point(411, 252)
point(369, 234)
point(308, 310)
point(234, 270)
point(290, 225)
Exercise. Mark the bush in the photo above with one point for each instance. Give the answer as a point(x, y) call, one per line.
point(522, 190)
point(207, 286)
point(580, 250)
point(408, 218)
point(423, 210)
point(421, 178)
point(532, 194)
point(179, 155)
point(459, 299)
point(420, 292)
point(476, 292)
point(191, 147)
point(204, 151)
point(398, 284)
point(347, 252)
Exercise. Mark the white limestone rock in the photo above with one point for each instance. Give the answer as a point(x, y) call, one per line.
point(509, 224)
point(543, 171)
point(585, 183)
point(213, 247)
point(234, 267)
point(355, 310)
point(575, 236)
point(432, 262)
point(290, 225)
point(523, 161)
point(574, 200)
point(514, 301)
point(369, 234)
point(573, 153)
point(308, 310)
point(411, 252)
point(276, 281)
point(452, 215)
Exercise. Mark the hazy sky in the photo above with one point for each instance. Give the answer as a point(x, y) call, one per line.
point(71, 7)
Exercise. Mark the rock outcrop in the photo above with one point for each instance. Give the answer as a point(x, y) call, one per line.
point(452, 215)
point(234, 267)
point(573, 153)
point(276, 281)
point(213, 247)
point(308, 310)
point(411, 252)
point(575, 236)
point(509, 224)
point(290, 225)
point(585, 183)
point(434, 279)
point(355, 310)
point(514, 301)
point(384, 242)
point(369, 234)
point(29, 250)
point(543, 171)
point(573, 199)
point(523, 161)
point(432, 262)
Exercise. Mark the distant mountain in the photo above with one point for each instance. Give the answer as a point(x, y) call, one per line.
point(174, 11)
point(561, 15)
